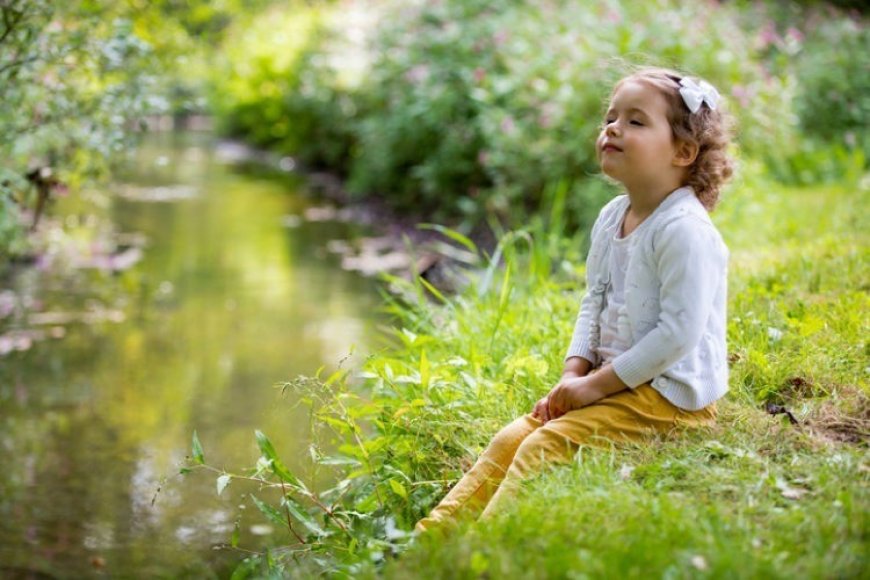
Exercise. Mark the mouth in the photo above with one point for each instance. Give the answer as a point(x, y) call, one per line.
point(610, 147)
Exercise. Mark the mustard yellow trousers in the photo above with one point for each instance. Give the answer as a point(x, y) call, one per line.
point(526, 446)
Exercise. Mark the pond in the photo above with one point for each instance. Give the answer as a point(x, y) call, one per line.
point(233, 294)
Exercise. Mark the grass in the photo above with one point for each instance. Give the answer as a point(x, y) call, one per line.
point(753, 496)
point(750, 499)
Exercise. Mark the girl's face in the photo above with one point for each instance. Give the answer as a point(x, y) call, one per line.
point(636, 145)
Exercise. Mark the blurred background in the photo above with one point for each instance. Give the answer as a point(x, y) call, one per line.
point(175, 185)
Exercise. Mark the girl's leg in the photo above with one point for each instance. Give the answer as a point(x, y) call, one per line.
point(630, 415)
point(469, 496)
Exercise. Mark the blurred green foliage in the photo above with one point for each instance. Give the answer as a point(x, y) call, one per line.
point(821, 48)
point(833, 99)
point(488, 103)
point(277, 88)
point(465, 108)
point(71, 77)
point(77, 77)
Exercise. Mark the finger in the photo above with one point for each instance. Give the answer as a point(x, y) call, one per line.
point(552, 407)
point(542, 410)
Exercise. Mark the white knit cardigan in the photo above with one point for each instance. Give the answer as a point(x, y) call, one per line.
point(675, 297)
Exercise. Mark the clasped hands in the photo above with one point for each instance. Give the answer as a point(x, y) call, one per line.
point(571, 392)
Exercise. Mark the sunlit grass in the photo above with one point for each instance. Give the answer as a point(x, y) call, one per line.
point(752, 497)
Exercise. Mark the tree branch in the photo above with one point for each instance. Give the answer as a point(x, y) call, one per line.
point(17, 63)
point(9, 24)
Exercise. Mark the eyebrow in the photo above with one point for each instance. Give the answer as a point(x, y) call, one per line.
point(631, 110)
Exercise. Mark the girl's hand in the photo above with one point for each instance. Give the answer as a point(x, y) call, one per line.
point(575, 392)
point(541, 410)
point(569, 394)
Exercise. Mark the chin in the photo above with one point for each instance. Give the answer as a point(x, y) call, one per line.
point(609, 172)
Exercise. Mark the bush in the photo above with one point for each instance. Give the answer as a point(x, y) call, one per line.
point(278, 84)
point(833, 98)
point(478, 105)
point(469, 107)
point(11, 227)
point(74, 78)
point(819, 47)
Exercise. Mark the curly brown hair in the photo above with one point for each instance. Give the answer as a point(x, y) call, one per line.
point(710, 130)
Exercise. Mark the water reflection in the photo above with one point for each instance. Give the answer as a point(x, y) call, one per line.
point(226, 301)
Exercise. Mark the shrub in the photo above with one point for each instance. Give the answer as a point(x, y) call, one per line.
point(283, 81)
point(819, 47)
point(469, 107)
point(833, 97)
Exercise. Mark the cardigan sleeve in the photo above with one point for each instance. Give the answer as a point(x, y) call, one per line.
point(581, 344)
point(691, 263)
point(580, 341)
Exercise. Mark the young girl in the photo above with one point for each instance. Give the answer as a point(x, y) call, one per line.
point(648, 353)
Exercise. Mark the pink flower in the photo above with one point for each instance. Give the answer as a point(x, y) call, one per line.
point(768, 36)
point(794, 34)
point(508, 125)
point(417, 74)
point(742, 94)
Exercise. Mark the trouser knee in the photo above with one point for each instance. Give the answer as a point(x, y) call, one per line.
point(505, 443)
point(543, 447)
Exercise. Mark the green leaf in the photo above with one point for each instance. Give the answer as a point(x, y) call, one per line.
point(338, 460)
point(505, 288)
point(435, 292)
point(198, 456)
point(275, 464)
point(452, 234)
point(299, 513)
point(234, 539)
point(339, 424)
point(424, 370)
point(335, 376)
point(397, 487)
point(369, 504)
point(271, 513)
point(222, 482)
point(246, 568)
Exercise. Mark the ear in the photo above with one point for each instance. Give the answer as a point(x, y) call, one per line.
point(685, 153)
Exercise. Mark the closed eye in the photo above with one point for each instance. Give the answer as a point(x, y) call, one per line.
point(638, 123)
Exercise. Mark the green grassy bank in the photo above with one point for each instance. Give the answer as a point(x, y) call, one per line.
point(754, 496)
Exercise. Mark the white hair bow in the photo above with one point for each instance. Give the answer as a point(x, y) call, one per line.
point(694, 94)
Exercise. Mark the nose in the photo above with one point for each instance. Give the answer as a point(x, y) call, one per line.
point(611, 129)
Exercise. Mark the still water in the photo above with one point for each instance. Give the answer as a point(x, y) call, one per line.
point(230, 297)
